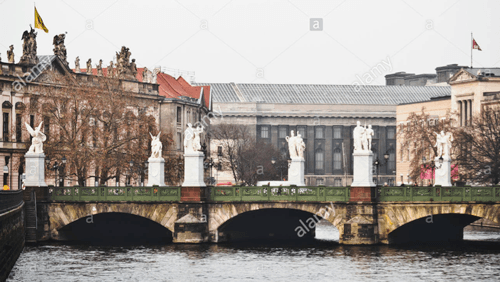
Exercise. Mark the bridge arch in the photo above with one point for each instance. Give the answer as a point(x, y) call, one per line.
point(394, 219)
point(63, 214)
point(224, 214)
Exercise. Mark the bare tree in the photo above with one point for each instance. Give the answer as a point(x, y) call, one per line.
point(478, 147)
point(96, 125)
point(419, 135)
point(248, 160)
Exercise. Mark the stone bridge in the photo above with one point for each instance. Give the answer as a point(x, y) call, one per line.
point(357, 222)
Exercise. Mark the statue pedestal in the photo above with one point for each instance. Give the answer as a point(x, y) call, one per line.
point(296, 172)
point(156, 172)
point(363, 169)
point(443, 173)
point(35, 170)
point(193, 170)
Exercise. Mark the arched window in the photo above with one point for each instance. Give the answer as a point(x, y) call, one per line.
point(337, 159)
point(319, 159)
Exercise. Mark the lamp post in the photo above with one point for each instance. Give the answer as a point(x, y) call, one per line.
point(209, 163)
point(280, 166)
point(129, 178)
point(378, 164)
point(55, 167)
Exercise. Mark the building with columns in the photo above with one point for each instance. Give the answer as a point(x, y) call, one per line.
point(325, 115)
point(471, 89)
point(173, 102)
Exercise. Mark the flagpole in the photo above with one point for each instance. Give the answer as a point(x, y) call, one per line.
point(471, 48)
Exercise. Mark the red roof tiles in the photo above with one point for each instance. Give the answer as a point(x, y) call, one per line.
point(169, 86)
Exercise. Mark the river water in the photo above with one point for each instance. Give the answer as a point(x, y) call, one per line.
point(477, 259)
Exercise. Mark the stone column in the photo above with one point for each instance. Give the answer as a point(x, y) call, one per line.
point(156, 172)
point(460, 110)
point(296, 172)
point(443, 173)
point(193, 188)
point(470, 111)
point(465, 111)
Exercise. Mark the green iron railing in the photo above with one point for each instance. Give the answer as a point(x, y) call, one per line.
point(103, 194)
point(452, 194)
point(290, 194)
point(294, 194)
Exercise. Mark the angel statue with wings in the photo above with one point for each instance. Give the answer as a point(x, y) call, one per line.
point(38, 139)
point(443, 143)
point(156, 146)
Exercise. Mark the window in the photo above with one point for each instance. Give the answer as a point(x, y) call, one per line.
point(392, 161)
point(337, 159)
point(264, 132)
point(337, 133)
point(179, 141)
point(18, 128)
point(319, 133)
point(282, 132)
point(337, 182)
point(320, 181)
point(390, 133)
point(179, 114)
point(219, 151)
point(320, 156)
point(5, 126)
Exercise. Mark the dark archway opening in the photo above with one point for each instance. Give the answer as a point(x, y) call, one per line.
point(283, 225)
point(432, 229)
point(116, 228)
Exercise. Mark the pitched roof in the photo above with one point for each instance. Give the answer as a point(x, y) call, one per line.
point(170, 87)
point(324, 94)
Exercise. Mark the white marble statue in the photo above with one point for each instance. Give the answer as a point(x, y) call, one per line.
point(188, 138)
point(155, 75)
point(369, 133)
point(38, 139)
point(360, 138)
point(292, 145)
point(197, 138)
point(300, 145)
point(192, 140)
point(443, 143)
point(156, 146)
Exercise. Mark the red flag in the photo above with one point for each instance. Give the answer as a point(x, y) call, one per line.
point(475, 45)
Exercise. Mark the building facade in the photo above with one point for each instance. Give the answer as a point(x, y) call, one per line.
point(325, 116)
point(172, 102)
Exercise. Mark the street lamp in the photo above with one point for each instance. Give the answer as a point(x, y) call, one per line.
point(378, 164)
point(131, 164)
point(209, 164)
point(55, 167)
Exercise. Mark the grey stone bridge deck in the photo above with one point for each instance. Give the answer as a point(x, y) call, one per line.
point(391, 215)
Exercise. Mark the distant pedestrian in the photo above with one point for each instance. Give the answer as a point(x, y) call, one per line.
point(385, 184)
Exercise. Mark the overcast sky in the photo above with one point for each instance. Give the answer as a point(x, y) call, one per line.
point(265, 41)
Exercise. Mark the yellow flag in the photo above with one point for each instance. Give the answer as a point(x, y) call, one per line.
point(39, 22)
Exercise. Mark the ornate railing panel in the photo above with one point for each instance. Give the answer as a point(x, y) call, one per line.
point(451, 194)
point(264, 193)
point(108, 194)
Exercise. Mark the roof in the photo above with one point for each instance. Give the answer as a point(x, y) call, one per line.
point(484, 71)
point(324, 94)
point(169, 86)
